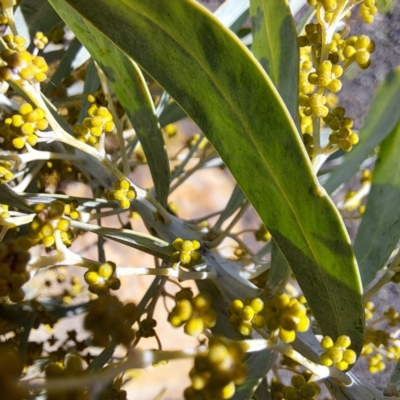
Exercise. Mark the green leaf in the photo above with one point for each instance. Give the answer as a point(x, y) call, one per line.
point(215, 79)
point(146, 243)
point(379, 231)
point(73, 59)
point(259, 363)
point(129, 85)
point(92, 84)
point(9, 197)
point(275, 47)
point(280, 268)
point(380, 121)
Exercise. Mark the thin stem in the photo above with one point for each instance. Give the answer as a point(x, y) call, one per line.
point(385, 278)
point(59, 134)
point(179, 169)
point(217, 241)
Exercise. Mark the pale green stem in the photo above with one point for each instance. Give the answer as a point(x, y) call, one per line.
point(59, 134)
point(355, 200)
point(385, 278)
point(168, 272)
point(136, 359)
point(34, 155)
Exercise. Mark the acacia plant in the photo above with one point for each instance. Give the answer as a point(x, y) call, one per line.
point(92, 91)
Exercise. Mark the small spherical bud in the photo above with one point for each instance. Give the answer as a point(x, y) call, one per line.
point(325, 360)
point(343, 341)
point(326, 343)
point(335, 354)
point(247, 313)
point(194, 327)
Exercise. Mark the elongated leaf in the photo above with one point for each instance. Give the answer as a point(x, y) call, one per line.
point(380, 121)
point(215, 79)
point(275, 47)
point(232, 14)
point(146, 243)
point(66, 66)
point(92, 84)
point(131, 89)
point(259, 364)
point(280, 268)
point(9, 197)
point(379, 231)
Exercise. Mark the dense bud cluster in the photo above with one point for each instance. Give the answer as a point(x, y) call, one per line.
point(286, 316)
point(73, 366)
point(359, 49)
point(101, 278)
point(341, 135)
point(186, 253)
point(246, 314)
point(326, 76)
point(123, 192)
point(40, 40)
point(98, 122)
point(376, 364)
point(47, 222)
point(368, 10)
point(17, 63)
point(312, 36)
point(300, 389)
point(108, 319)
point(5, 171)
point(71, 209)
point(217, 371)
point(195, 313)
point(14, 257)
point(22, 128)
point(337, 353)
point(262, 234)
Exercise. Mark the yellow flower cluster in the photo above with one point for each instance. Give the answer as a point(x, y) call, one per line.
point(98, 122)
point(246, 314)
point(40, 40)
point(123, 192)
point(300, 389)
point(17, 63)
point(368, 10)
point(101, 278)
point(285, 316)
point(337, 352)
point(14, 257)
point(195, 313)
point(341, 135)
point(186, 252)
point(5, 171)
point(47, 222)
point(217, 371)
point(22, 128)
